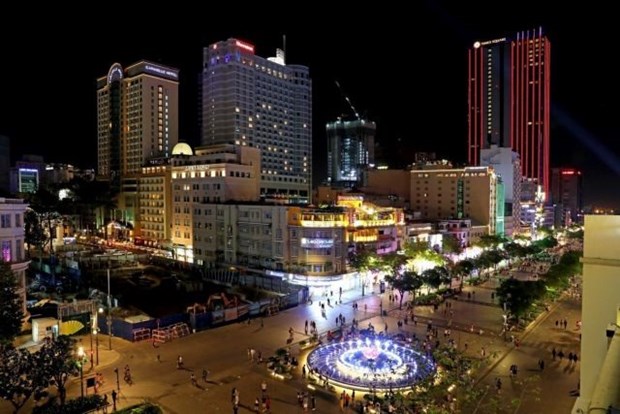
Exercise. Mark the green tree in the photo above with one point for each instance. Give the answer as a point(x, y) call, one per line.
point(436, 277)
point(33, 231)
point(490, 241)
point(520, 295)
point(407, 282)
point(57, 360)
point(20, 377)
point(11, 313)
point(464, 268)
point(451, 244)
point(413, 247)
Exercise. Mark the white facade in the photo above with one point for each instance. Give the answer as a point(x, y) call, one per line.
point(12, 241)
point(600, 305)
point(507, 165)
point(263, 103)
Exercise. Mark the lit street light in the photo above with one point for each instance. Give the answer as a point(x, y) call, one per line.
point(80, 354)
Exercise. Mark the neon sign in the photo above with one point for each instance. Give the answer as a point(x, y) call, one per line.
point(161, 71)
point(569, 172)
point(317, 243)
point(245, 46)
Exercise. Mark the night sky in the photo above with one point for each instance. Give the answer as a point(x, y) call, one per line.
point(406, 70)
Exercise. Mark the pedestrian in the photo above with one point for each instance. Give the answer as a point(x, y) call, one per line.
point(263, 387)
point(553, 353)
point(105, 403)
point(557, 323)
point(498, 384)
point(204, 375)
point(158, 357)
point(541, 364)
point(192, 378)
point(114, 400)
point(313, 402)
point(256, 405)
point(179, 362)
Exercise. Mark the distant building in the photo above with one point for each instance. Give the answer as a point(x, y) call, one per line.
point(5, 163)
point(506, 164)
point(12, 241)
point(168, 189)
point(567, 191)
point(509, 100)
point(350, 150)
point(137, 119)
point(27, 173)
point(251, 101)
point(137, 116)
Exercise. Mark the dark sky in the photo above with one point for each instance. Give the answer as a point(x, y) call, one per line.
point(406, 70)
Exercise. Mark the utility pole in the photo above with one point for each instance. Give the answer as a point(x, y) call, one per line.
point(109, 316)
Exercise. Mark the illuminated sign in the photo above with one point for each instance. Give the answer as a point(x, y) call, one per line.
point(489, 42)
point(196, 167)
point(115, 73)
point(317, 243)
point(245, 46)
point(569, 172)
point(161, 71)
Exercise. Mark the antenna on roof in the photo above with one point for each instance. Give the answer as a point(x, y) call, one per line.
point(284, 47)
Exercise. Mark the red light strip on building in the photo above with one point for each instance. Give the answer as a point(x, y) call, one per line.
point(245, 46)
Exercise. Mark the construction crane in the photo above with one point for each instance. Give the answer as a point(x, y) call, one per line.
point(346, 98)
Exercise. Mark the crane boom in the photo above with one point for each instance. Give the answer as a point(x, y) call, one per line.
point(346, 98)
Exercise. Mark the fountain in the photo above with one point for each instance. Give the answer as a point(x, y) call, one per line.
point(370, 363)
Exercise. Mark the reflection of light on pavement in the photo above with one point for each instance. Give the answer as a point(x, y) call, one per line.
point(370, 363)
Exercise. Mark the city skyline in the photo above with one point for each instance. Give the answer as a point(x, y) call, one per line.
point(427, 112)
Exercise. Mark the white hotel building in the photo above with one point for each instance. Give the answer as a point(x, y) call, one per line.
point(251, 101)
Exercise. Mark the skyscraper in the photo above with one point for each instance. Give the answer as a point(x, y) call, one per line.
point(508, 100)
point(263, 103)
point(566, 192)
point(137, 117)
point(350, 149)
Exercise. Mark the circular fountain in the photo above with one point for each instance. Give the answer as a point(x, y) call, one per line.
point(370, 363)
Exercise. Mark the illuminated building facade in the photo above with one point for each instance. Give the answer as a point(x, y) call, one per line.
point(309, 244)
point(350, 150)
point(169, 187)
point(507, 165)
point(509, 100)
point(263, 103)
point(137, 117)
point(12, 241)
point(457, 193)
point(26, 176)
point(567, 193)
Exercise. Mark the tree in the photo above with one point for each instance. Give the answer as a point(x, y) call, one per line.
point(56, 359)
point(520, 295)
point(11, 311)
point(20, 377)
point(413, 247)
point(33, 231)
point(451, 244)
point(488, 241)
point(407, 282)
point(463, 268)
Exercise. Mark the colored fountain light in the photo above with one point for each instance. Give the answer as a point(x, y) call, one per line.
point(379, 364)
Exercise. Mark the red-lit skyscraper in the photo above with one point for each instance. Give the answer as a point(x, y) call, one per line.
point(508, 100)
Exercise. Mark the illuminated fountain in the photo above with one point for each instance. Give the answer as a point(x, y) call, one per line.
point(379, 364)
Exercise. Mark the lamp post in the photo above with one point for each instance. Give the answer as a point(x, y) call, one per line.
point(109, 316)
point(80, 353)
point(91, 350)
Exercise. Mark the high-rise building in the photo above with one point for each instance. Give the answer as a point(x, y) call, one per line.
point(509, 100)
point(350, 150)
point(137, 117)
point(262, 103)
point(566, 192)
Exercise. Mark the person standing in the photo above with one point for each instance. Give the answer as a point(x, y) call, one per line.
point(313, 402)
point(114, 400)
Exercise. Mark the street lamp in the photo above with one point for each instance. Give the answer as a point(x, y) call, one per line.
point(80, 353)
point(109, 316)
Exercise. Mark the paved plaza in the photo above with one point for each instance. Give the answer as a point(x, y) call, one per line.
point(475, 322)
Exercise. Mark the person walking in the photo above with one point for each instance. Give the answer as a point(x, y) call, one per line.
point(179, 362)
point(114, 400)
point(541, 364)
